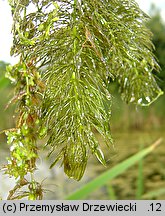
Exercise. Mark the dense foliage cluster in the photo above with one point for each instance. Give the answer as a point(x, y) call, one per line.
point(70, 51)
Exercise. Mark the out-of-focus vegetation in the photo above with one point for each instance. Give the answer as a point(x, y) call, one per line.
point(111, 173)
point(6, 117)
point(157, 26)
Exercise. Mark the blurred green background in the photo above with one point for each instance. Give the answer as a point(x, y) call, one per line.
point(133, 128)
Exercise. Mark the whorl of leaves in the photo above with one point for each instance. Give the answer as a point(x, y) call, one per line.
point(80, 45)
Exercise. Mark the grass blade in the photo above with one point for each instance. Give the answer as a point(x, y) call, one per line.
point(111, 192)
point(139, 190)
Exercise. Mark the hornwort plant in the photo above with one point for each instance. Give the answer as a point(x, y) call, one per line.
point(70, 51)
